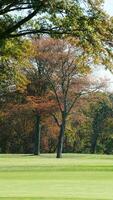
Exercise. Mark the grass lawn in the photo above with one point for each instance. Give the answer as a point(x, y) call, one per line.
point(74, 177)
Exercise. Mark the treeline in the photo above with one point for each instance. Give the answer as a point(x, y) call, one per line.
point(88, 130)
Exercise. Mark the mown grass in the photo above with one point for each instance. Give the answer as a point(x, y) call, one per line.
point(74, 177)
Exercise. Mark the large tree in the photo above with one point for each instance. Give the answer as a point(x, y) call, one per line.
point(65, 68)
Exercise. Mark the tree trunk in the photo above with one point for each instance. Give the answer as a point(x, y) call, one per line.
point(37, 136)
point(94, 143)
point(61, 138)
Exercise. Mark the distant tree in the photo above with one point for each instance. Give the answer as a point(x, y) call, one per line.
point(102, 112)
point(65, 68)
point(38, 92)
point(42, 107)
point(22, 115)
point(98, 110)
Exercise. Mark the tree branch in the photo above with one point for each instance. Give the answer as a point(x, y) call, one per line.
point(17, 8)
point(51, 31)
point(18, 25)
point(57, 98)
point(55, 118)
point(7, 8)
point(75, 99)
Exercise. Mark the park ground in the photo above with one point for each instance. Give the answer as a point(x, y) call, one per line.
point(73, 177)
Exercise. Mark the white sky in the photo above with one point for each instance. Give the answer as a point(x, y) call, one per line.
point(109, 6)
point(100, 72)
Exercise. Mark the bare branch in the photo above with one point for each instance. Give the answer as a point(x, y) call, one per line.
point(73, 102)
point(55, 92)
point(18, 25)
point(56, 119)
point(7, 8)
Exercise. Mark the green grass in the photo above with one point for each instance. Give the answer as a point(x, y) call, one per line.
point(74, 177)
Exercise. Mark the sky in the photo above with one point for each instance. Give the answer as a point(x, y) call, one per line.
point(109, 6)
point(100, 72)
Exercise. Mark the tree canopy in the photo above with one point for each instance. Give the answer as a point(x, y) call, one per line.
point(84, 20)
point(80, 18)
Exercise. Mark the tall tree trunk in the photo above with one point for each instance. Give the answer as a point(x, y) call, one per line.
point(37, 136)
point(94, 143)
point(61, 137)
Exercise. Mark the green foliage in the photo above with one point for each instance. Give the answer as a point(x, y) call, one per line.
point(13, 59)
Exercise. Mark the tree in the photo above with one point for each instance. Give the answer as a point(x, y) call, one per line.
point(65, 68)
point(20, 118)
point(42, 107)
point(98, 111)
point(102, 111)
point(38, 90)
